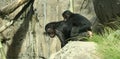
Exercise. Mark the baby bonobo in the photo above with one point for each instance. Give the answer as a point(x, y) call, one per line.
point(80, 24)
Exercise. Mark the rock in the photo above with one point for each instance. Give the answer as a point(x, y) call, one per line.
point(77, 50)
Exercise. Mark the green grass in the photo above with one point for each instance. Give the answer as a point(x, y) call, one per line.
point(109, 44)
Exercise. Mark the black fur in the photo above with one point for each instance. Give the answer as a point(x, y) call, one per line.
point(78, 21)
point(62, 30)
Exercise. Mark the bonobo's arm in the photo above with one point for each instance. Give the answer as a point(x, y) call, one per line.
point(61, 37)
point(84, 27)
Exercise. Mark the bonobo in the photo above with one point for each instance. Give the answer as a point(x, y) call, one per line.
point(62, 29)
point(80, 24)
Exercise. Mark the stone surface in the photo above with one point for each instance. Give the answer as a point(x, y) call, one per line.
point(77, 50)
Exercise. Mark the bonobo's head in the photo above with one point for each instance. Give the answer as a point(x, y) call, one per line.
point(50, 32)
point(50, 29)
point(66, 14)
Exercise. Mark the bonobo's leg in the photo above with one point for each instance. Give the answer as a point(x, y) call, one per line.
point(74, 31)
point(61, 37)
point(80, 36)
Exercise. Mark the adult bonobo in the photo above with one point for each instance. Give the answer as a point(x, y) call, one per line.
point(61, 28)
point(80, 24)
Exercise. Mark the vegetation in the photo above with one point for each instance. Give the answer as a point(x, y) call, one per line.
point(108, 43)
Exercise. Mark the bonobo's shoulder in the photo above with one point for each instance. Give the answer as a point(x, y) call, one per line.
point(79, 16)
point(75, 15)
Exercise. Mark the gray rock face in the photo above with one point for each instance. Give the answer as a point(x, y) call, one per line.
point(77, 50)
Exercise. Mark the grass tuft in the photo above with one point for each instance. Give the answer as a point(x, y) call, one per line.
point(109, 43)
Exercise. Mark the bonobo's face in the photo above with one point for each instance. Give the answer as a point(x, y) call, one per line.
point(66, 17)
point(51, 32)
